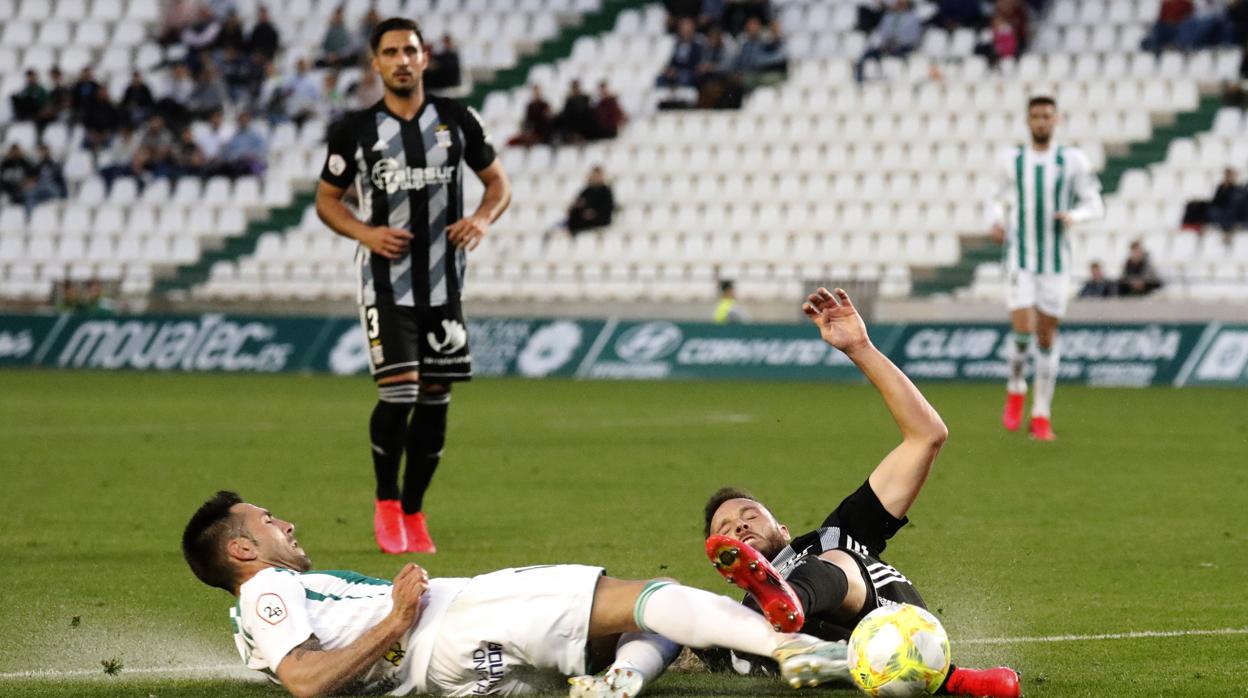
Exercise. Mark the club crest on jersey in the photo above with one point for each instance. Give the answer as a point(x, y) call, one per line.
point(456, 338)
point(389, 177)
point(443, 136)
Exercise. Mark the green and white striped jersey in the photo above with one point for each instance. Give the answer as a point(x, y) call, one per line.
point(278, 610)
point(1032, 186)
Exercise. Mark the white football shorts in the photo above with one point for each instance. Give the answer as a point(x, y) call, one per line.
point(1047, 293)
point(514, 631)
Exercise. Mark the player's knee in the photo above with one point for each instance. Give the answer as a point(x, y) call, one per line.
point(399, 393)
point(435, 388)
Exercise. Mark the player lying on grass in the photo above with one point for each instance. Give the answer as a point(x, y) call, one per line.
point(507, 632)
point(824, 582)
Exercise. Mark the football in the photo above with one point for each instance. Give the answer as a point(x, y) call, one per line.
point(899, 651)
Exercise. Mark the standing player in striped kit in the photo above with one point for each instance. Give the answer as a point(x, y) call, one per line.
point(403, 157)
point(1044, 190)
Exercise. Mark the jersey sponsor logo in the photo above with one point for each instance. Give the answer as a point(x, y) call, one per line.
point(389, 177)
point(395, 654)
point(442, 135)
point(271, 608)
point(337, 165)
point(456, 337)
point(487, 662)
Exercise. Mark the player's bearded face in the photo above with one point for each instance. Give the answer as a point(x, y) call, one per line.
point(750, 522)
point(275, 541)
point(1041, 119)
point(400, 61)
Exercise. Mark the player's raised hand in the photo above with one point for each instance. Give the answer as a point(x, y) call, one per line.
point(390, 243)
point(409, 586)
point(837, 319)
point(468, 231)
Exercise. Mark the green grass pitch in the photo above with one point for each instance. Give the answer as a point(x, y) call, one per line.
point(1091, 564)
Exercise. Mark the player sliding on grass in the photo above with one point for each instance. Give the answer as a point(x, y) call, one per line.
point(507, 632)
point(824, 582)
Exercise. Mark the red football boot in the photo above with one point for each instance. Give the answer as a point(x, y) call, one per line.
point(1001, 682)
point(418, 540)
point(388, 526)
point(1012, 417)
point(1042, 429)
point(748, 569)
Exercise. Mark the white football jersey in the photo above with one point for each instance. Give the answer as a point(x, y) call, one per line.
point(278, 609)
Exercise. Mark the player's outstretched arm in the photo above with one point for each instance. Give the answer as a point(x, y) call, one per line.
point(387, 242)
point(309, 670)
point(899, 477)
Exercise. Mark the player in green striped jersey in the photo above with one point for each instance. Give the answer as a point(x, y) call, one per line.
point(1044, 189)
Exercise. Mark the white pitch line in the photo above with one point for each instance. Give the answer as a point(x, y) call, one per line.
point(1137, 635)
point(236, 671)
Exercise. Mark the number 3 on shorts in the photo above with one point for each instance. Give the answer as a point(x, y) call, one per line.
point(370, 318)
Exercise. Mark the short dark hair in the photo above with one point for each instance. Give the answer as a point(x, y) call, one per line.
point(203, 541)
point(1041, 101)
point(717, 500)
point(726, 285)
point(391, 25)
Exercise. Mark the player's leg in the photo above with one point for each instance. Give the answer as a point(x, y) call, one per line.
point(393, 369)
point(700, 619)
point(1021, 297)
point(426, 438)
point(1048, 358)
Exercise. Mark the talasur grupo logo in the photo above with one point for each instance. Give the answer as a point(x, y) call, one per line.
point(648, 342)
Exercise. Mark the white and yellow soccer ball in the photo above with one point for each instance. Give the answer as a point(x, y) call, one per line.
point(899, 651)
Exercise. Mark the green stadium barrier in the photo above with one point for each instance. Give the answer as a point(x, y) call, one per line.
point(1131, 355)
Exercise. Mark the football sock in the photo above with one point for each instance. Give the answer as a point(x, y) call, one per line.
point(1016, 354)
point(386, 429)
point(696, 618)
point(820, 585)
point(645, 653)
point(1046, 379)
point(426, 436)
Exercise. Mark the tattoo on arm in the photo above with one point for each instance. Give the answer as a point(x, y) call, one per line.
point(312, 644)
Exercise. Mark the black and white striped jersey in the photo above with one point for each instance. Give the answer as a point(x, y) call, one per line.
point(861, 527)
point(408, 175)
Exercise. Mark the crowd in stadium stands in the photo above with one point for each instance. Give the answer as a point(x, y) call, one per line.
point(86, 296)
point(1228, 209)
point(583, 118)
point(723, 50)
point(1138, 278)
point(1188, 25)
point(217, 67)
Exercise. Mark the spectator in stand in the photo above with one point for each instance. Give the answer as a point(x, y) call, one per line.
point(738, 12)
point(118, 159)
point(1229, 207)
point(241, 76)
point(247, 152)
point(711, 14)
point(760, 57)
point(338, 48)
point(956, 14)
point(82, 94)
point(897, 34)
point(679, 10)
point(1097, 286)
point(333, 102)
point(367, 91)
point(155, 145)
point(1209, 25)
point(271, 101)
point(1018, 16)
point(202, 33)
point(575, 124)
point(137, 101)
point(176, 16)
point(687, 55)
point(1004, 42)
point(1165, 30)
point(48, 180)
point(264, 38)
point(718, 86)
point(172, 105)
point(302, 94)
point(188, 159)
point(370, 19)
point(15, 174)
point(30, 101)
point(208, 95)
point(60, 98)
point(210, 137)
point(609, 116)
point(232, 34)
point(444, 68)
point(101, 120)
point(594, 206)
point(1139, 278)
point(538, 125)
point(727, 312)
